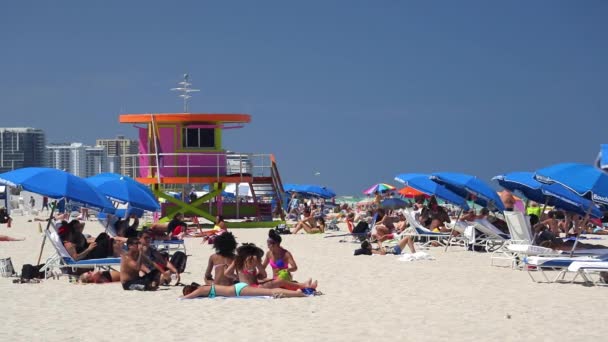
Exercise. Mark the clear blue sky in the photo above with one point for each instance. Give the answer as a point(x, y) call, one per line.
point(356, 90)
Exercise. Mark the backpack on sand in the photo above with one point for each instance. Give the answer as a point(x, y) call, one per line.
point(178, 259)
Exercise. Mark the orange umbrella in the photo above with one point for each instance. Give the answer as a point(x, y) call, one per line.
point(410, 192)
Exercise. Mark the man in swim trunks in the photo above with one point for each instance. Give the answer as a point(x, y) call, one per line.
point(131, 265)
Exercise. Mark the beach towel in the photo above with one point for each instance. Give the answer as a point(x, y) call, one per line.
point(416, 256)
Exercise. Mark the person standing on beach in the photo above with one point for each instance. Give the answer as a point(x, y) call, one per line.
point(32, 202)
point(45, 203)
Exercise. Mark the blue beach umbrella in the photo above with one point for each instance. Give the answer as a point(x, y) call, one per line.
point(58, 184)
point(550, 194)
point(423, 183)
point(310, 190)
point(585, 180)
point(465, 185)
point(124, 189)
point(393, 203)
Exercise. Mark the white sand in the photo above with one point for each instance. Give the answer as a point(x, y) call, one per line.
point(458, 296)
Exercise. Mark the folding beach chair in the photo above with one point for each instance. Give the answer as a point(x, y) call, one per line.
point(62, 259)
point(521, 243)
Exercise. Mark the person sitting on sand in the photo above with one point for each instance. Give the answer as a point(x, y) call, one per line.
point(307, 223)
point(99, 277)
point(237, 290)
point(5, 218)
point(248, 267)
point(280, 260)
point(155, 260)
point(224, 246)
point(131, 264)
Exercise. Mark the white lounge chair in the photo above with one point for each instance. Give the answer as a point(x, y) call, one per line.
point(586, 268)
point(62, 258)
point(520, 242)
point(559, 263)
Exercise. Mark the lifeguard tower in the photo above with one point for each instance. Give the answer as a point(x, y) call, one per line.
point(179, 150)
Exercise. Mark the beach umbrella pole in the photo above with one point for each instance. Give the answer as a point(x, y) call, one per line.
point(48, 224)
point(452, 231)
point(579, 232)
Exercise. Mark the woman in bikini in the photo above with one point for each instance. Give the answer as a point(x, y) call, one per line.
point(248, 266)
point(225, 246)
point(238, 290)
point(280, 260)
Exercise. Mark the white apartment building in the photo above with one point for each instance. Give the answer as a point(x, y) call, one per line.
point(78, 159)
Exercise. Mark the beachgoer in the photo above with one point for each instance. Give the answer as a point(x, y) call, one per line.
point(32, 202)
point(224, 245)
point(280, 260)
point(377, 199)
point(307, 223)
point(366, 247)
point(81, 251)
point(384, 226)
point(8, 238)
point(131, 264)
point(156, 260)
point(507, 199)
point(5, 218)
point(434, 216)
point(45, 203)
point(99, 277)
point(248, 266)
point(105, 246)
point(236, 290)
point(124, 229)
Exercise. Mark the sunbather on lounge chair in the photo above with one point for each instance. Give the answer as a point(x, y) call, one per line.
point(224, 246)
point(131, 264)
point(434, 216)
point(101, 247)
point(384, 227)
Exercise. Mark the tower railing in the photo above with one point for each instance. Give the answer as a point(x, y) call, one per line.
point(190, 165)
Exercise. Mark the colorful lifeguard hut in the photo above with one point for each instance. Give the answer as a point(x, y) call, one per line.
point(179, 150)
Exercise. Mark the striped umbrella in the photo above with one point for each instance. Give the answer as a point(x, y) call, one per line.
point(380, 187)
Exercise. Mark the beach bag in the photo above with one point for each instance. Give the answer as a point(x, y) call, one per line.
point(282, 229)
point(178, 259)
point(29, 271)
point(6, 267)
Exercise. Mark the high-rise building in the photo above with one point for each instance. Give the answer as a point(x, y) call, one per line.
point(68, 157)
point(96, 160)
point(125, 149)
point(78, 159)
point(21, 147)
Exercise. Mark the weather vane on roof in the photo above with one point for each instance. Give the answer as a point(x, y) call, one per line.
point(184, 88)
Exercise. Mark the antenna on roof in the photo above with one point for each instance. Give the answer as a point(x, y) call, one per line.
point(184, 88)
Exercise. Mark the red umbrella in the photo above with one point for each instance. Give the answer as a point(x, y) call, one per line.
point(409, 192)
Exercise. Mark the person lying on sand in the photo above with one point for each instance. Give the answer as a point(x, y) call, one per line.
point(8, 238)
point(99, 277)
point(366, 247)
point(237, 290)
